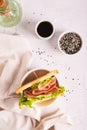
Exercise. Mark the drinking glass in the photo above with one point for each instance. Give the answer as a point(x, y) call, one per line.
point(10, 13)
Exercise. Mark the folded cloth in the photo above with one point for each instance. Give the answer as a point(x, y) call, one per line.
point(12, 121)
point(52, 119)
point(15, 60)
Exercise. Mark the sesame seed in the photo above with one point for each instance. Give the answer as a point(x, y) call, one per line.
point(70, 43)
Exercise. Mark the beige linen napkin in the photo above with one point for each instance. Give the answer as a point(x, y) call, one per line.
point(15, 60)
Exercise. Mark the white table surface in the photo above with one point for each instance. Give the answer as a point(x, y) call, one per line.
point(65, 15)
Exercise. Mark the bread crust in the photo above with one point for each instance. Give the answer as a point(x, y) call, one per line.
point(49, 74)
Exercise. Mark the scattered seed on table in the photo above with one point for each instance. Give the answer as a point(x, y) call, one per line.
point(72, 78)
point(65, 77)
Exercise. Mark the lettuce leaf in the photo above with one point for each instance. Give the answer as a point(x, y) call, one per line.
point(29, 101)
point(41, 82)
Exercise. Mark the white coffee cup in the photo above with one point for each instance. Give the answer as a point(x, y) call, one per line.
point(44, 29)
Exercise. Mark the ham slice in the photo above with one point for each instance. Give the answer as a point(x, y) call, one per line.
point(48, 85)
point(44, 89)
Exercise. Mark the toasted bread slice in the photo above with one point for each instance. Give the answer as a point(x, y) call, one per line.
point(49, 74)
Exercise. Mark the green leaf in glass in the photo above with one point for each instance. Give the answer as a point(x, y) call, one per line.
point(10, 13)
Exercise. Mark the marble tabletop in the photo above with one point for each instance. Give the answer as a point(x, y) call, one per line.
point(65, 16)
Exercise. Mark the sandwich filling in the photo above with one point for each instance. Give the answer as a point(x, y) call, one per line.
point(43, 90)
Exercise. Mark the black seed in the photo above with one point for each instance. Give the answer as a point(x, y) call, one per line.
point(68, 68)
point(65, 77)
point(33, 12)
point(41, 14)
point(72, 78)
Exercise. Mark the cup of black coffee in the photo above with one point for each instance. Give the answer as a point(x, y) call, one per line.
point(44, 29)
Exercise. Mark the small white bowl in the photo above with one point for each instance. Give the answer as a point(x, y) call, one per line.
point(60, 38)
point(41, 37)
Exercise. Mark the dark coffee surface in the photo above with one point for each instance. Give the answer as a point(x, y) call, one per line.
point(45, 29)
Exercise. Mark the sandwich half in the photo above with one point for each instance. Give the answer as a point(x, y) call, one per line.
point(42, 89)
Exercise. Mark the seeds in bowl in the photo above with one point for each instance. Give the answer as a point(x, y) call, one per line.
point(70, 43)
